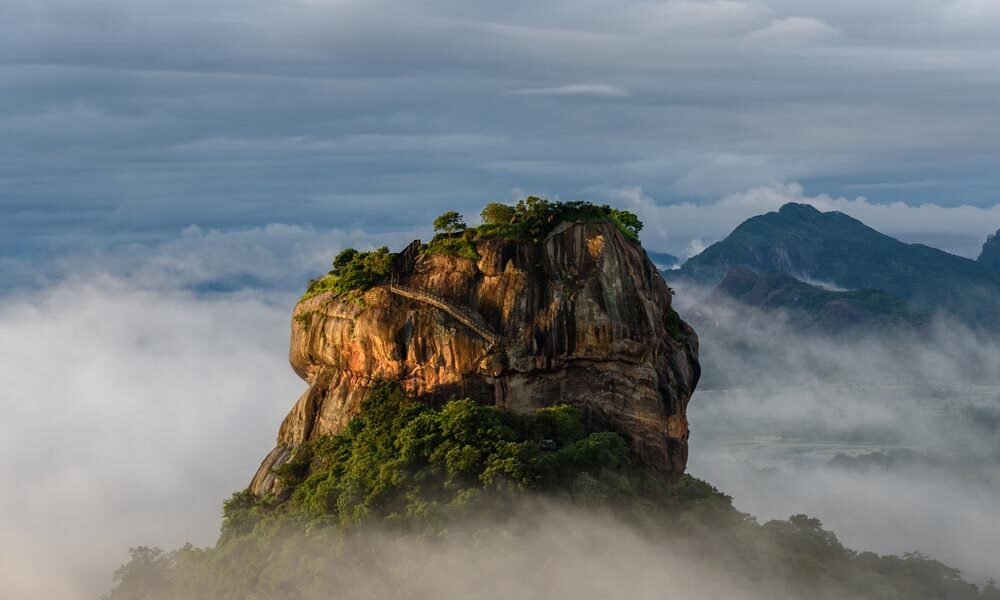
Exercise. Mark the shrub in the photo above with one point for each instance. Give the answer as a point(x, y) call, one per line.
point(449, 222)
point(454, 245)
point(495, 213)
point(353, 270)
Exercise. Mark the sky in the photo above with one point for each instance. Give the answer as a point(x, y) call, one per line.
point(172, 172)
point(127, 121)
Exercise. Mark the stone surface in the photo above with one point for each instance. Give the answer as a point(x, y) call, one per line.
point(583, 318)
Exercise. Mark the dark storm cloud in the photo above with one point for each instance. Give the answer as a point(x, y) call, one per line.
point(131, 120)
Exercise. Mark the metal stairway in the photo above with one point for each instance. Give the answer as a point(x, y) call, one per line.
point(463, 314)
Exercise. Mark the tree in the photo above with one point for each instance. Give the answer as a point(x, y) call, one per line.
point(536, 216)
point(144, 576)
point(449, 222)
point(345, 258)
point(495, 213)
point(378, 263)
point(628, 220)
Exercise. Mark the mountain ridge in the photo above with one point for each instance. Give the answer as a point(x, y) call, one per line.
point(805, 243)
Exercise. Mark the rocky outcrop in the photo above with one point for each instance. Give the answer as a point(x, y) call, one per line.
point(583, 318)
point(990, 256)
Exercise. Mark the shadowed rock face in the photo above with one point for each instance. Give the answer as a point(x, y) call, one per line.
point(990, 256)
point(583, 318)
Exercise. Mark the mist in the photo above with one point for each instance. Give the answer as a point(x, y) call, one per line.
point(129, 416)
point(541, 549)
point(890, 438)
point(137, 400)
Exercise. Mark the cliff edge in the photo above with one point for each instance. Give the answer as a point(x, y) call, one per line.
point(581, 317)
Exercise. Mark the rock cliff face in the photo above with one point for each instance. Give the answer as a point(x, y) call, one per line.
point(583, 318)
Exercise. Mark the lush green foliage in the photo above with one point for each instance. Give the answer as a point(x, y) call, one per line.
point(460, 244)
point(400, 460)
point(449, 222)
point(353, 270)
point(532, 218)
point(408, 490)
point(495, 213)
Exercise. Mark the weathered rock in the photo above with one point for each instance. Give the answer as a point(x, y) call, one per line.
point(583, 318)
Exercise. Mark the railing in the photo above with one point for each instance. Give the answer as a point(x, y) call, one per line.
point(464, 315)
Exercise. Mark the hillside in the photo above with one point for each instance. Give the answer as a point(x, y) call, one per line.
point(832, 247)
point(810, 307)
point(471, 501)
point(990, 255)
point(501, 413)
point(663, 260)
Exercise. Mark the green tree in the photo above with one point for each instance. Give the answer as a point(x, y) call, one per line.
point(146, 574)
point(536, 216)
point(378, 263)
point(449, 222)
point(495, 213)
point(628, 220)
point(345, 258)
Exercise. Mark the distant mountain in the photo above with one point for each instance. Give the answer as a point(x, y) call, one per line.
point(663, 260)
point(990, 256)
point(805, 243)
point(812, 307)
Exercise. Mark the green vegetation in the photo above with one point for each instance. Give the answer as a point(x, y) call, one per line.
point(353, 270)
point(449, 222)
point(532, 218)
point(454, 244)
point(811, 307)
point(399, 461)
point(457, 494)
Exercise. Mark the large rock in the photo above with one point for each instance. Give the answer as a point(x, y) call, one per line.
point(583, 318)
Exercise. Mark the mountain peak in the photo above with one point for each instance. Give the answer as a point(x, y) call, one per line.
point(805, 243)
point(990, 256)
point(799, 209)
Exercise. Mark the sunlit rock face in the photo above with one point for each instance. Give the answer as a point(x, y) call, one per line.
point(583, 318)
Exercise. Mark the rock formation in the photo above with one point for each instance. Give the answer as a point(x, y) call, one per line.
point(990, 256)
point(582, 318)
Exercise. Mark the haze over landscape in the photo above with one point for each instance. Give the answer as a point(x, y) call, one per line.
point(172, 174)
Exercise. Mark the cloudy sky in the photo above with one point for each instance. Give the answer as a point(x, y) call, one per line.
point(172, 171)
point(126, 121)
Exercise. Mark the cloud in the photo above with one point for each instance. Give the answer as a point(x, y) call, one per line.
point(130, 414)
point(598, 90)
point(794, 30)
point(132, 120)
point(962, 229)
point(714, 17)
point(149, 378)
point(891, 440)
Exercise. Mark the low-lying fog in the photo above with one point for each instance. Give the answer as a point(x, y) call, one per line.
point(892, 440)
point(130, 415)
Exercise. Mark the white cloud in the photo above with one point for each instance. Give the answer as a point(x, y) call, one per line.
point(600, 90)
point(674, 226)
point(687, 17)
point(794, 30)
point(129, 416)
point(776, 405)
